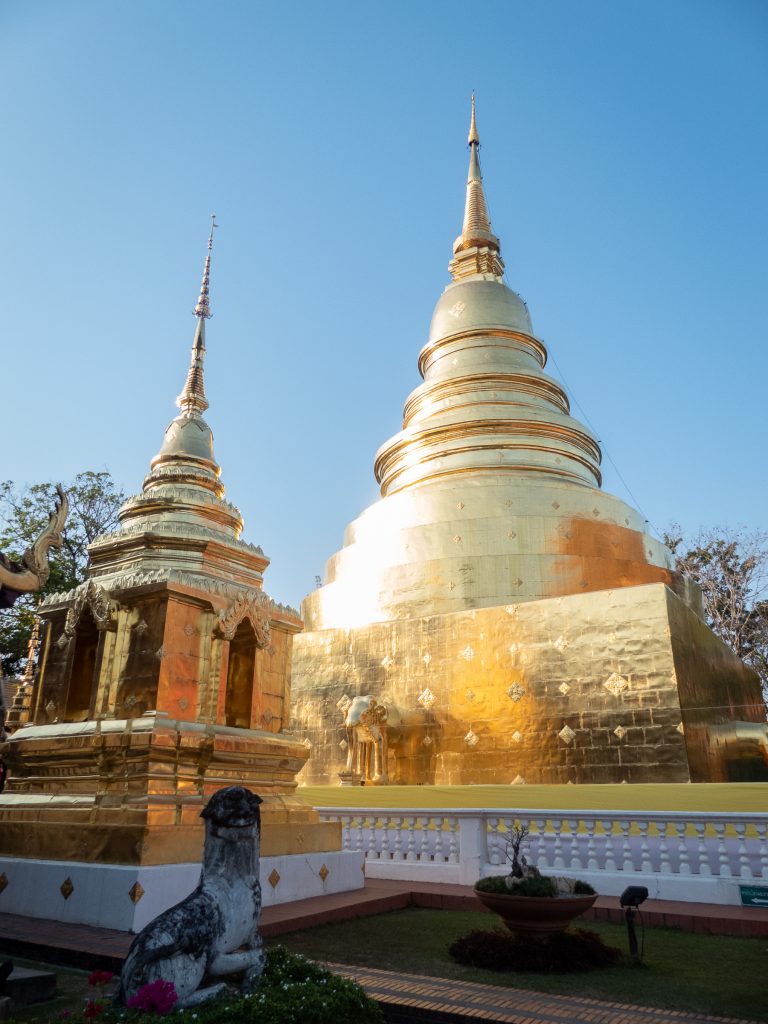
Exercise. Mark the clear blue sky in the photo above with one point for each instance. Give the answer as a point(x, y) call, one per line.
point(625, 159)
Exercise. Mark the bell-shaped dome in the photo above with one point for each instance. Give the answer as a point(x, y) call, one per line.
point(187, 437)
point(474, 303)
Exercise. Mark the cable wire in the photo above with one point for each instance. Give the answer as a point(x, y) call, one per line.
point(603, 445)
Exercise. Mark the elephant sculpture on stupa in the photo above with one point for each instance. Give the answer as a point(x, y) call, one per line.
point(366, 724)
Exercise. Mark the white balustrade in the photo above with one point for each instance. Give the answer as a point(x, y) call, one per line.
point(683, 856)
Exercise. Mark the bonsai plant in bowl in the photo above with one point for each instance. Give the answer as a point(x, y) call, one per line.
point(528, 902)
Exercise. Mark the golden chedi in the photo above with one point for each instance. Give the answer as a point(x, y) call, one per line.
point(517, 622)
point(164, 677)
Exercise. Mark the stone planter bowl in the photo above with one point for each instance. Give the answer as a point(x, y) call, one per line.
point(537, 915)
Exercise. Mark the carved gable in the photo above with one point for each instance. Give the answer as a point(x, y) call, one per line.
point(256, 607)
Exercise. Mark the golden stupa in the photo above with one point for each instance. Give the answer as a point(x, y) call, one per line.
point(517, 622)
point(162, 678)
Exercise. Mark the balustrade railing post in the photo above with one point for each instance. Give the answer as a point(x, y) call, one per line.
point(472, 848)
point(745, 868)
point(590, 825)
point(410, 853)
point(665, 865)
point(557, 854)
point(384, 852)
point(573, 827)
point(762, 832)
point(398, 852)
point(424, 851)
point(627, 864)
point(701, 849)
point(440, 856)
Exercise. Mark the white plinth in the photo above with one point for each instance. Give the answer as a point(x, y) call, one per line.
point(104, 894)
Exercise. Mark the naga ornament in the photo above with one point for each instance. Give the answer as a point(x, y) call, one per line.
point(31, 574)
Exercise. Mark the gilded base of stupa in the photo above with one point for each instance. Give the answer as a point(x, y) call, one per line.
point(623, 685)
point(131, 792)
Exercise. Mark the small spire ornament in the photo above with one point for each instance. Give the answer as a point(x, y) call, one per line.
point(192, 399)
point(477, 249)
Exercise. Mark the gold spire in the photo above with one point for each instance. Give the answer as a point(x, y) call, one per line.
point(473, 136)
point(477, 249)
point(192, 399)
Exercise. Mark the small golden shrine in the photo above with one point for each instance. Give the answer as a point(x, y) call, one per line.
point(162, 678)
point(18, 713)
point(517, 622)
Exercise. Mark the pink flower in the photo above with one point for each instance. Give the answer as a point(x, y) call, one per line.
point(99, 977)
point(156, 997)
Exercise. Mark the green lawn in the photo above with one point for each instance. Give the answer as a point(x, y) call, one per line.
point(701, 973)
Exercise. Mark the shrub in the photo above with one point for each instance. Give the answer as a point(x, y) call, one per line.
point(560, 953)
point(541, 886)
point(292, 990)
point(583, 889)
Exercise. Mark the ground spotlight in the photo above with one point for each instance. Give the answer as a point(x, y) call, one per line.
point(630, 900)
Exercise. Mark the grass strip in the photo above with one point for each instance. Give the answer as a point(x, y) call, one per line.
point(682, 971)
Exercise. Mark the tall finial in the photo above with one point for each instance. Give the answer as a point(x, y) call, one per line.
point(474, 138)
point(202, 309)
point(477, 249)
point(192, 399)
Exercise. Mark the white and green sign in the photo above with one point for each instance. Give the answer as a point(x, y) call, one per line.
point(754, 895)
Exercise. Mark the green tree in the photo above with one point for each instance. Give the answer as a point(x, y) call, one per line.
point(94, 501)
point(731, 567)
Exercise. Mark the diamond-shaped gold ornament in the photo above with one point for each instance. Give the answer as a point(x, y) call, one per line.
point(616, 684)
point(561, 643)
point(136, 892)
point(516, 692)
point(343, 703)
point(468, 654)
point(426, 698)
point(323, 872)
point(67, 888)
point(471, 739)
point(274, 877)
point(567, 735)
point(680, 728)
point(564, 688)
point(517, 736)
point(620, 731)
point(518, 781)
point(427, 741)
